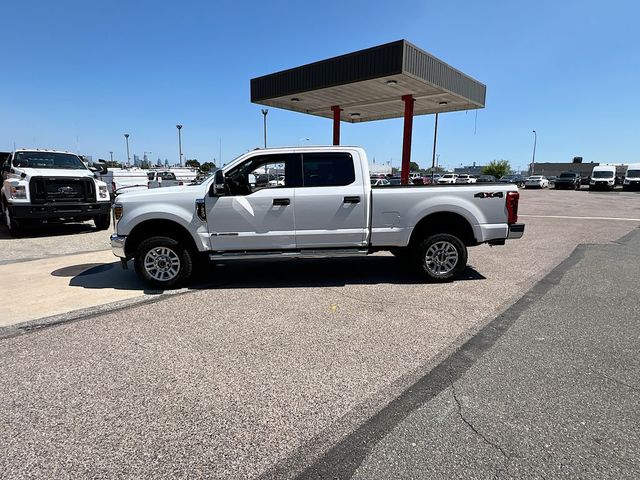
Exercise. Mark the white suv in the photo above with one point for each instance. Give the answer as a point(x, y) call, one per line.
point(448, 178)
point(464, 178)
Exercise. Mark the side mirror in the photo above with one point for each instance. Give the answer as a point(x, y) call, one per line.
point(102, 166)
point(218, 186)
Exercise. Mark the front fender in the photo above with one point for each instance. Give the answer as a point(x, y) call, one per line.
point(134, 215)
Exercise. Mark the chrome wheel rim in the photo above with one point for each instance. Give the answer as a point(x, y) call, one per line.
point(441, 258)
point(162, 263)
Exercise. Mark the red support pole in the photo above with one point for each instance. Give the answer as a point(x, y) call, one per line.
point(336, 124)
point(406, 138)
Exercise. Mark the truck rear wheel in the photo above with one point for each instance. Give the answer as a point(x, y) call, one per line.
point(102, 221)
point(440, 257)
point(163, 263)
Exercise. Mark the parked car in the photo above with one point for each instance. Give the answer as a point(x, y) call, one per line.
point(632, 178)
point(448, 178)
point(324, 209)
point(515, 179)
point(120, 180)
point(568, 180)
point(603, 177)
point(377, 182)
point(486, 179)
point(398, 181)
point(162, 179)
point(464, 178)
point(536, 181)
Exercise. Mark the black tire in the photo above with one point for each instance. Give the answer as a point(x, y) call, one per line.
point(102, 221)
point(15, 230)
point(440, 257)
point(163, 263)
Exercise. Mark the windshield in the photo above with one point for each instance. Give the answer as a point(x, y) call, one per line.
point(633, 173)
point(48, 160)
point(567, 175)
point(602, 175)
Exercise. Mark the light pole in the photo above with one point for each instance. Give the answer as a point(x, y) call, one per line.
point(433, 155)
point(179, 127)
point(264, 114)
point(126, 138)
point(533, 160)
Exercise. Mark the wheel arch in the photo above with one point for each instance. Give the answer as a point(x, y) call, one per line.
point(444, 222)
point(158, 227)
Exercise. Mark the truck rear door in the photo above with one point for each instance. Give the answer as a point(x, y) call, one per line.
point(330, 206)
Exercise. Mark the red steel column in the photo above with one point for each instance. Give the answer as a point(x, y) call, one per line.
point(406, 138)
point(336, 124)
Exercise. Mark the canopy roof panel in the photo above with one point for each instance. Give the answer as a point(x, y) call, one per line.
point(368, 85)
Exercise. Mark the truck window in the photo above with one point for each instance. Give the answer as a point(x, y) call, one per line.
point(267, 171)
point(327, 169)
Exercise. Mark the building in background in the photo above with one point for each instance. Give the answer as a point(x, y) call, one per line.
point(379, 168)
point(469, 169)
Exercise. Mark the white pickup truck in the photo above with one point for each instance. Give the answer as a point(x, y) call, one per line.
point(326, 207)
point(51, 186)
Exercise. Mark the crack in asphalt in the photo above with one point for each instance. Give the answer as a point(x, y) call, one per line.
point(614, 379)
point(497, 447)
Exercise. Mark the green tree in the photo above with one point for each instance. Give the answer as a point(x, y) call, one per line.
point(192, 163)
point(414, 167)
point(207, 166)
point(497, 168)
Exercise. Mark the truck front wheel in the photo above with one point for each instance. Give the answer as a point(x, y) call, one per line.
point(163, 263)
point(12, 225)
point(102, 221)
point(440, 257)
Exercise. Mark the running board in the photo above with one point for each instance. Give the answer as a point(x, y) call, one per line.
point(252, 255)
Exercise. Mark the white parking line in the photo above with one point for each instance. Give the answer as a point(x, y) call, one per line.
point(582, 218)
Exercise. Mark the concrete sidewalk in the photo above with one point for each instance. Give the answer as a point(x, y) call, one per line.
point(557, 395)
point(62, 284)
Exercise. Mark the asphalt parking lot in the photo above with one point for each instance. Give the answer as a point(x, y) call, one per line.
point(260, 369)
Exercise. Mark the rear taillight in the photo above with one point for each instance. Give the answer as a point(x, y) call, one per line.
point(180, 183)
point(113, 187)
point(512, 207)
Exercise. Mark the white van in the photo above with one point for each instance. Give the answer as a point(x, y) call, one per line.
point(632, 177)
point(121, 180)
point(603, 177)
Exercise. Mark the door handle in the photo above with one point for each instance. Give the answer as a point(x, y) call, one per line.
point(352, 199)
point(281, 201)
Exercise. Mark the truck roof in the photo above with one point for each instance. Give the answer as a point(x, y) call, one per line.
point(42, 150)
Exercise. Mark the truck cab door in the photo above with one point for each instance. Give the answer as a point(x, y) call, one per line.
point(257, 213)
point(331, 204)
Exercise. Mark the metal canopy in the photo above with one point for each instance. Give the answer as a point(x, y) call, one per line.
point(369, 85)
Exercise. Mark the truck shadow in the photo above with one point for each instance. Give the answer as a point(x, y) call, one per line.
point(49, 230)
point(333, 272)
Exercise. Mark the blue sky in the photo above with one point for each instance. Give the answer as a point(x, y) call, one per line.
point(79, 74)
